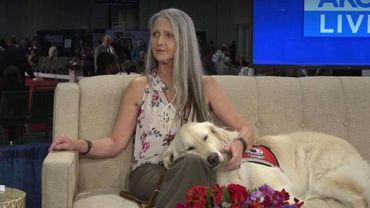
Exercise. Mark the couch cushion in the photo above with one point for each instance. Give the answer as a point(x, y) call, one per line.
point(98, 198)
point(100, 101)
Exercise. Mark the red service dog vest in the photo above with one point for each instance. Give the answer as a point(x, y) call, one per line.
point(260, 154)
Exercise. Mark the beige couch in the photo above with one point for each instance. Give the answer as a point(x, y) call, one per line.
point(335, 105)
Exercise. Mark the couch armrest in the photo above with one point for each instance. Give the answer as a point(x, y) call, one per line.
point(66, 110)
point(60, 169)
point(59, 179)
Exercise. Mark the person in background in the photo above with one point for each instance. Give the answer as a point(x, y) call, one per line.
point(117, 45)
point(50, 64)
point(138, 55)
point(53, 52)
point(105, 46)
point(106, 64)
point(12, 80)
point(221, 61)
point(14, 56)
point(127, 48)
point(127, 65)
point(78, 48)
point(33, 55)
point(2, 56)
point(137, 52)
point(87, 59)
point(172, 92)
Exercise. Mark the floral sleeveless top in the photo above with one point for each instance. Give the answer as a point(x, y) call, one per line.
point(157, 123)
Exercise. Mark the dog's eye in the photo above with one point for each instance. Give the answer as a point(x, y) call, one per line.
point(190, 148)
point(205, 138)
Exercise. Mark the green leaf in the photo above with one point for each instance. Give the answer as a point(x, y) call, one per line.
point(225, 194)
point(209, 198)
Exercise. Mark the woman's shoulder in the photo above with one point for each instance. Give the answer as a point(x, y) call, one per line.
point(136, 87)
point(139, 81)
point(208, 81)
point(211, 87)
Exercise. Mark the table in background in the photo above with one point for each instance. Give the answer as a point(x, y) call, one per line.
point(20, 167)
point(43, 83)
point(39, 84)
point(13, 198)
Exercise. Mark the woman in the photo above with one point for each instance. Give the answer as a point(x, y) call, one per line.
point(154, 106)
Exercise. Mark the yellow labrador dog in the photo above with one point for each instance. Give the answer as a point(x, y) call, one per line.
point(319, 169)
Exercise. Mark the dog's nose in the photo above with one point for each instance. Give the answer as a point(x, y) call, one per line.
point(213, 160)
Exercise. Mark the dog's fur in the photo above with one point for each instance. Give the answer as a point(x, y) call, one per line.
point(322, 170)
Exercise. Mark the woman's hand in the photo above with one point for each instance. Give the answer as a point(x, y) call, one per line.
point(63, 143)
point(235, 149)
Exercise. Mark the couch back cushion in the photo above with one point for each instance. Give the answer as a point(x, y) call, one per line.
point(100, 98)
point(335, 105)
point(274, 105)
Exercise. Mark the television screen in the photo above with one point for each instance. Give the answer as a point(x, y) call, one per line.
point(311, 33)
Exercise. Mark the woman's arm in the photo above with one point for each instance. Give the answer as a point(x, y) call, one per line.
point(122, 132)
point(228, 115)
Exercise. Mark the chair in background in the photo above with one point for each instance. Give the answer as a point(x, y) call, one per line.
point(13, 115)
point(41, 108)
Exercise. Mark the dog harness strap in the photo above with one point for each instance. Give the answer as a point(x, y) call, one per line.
point(154, 196)
point(261, 155)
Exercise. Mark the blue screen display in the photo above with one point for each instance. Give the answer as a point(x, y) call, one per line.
point(311, 33)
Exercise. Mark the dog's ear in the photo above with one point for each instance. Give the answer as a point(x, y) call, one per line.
point(222, 134)
point(218, 132)
point(212, 128)
point(168, 159)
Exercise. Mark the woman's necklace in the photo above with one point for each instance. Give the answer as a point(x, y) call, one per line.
point(169, 92)
point(167, 88)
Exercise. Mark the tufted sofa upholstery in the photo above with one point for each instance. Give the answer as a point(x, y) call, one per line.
point(334, 105)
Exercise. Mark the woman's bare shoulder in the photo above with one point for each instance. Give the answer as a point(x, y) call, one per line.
point(138, 83)
point(140, 80)
point(209, 82)
point(135, 89)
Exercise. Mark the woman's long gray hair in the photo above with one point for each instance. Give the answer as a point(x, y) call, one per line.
point(187, 65)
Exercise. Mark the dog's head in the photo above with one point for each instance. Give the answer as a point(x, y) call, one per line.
point(203, 139)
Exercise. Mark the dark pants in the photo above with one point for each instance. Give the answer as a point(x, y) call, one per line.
point(184, 173)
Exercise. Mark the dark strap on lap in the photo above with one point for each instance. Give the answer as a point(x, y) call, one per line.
point(128, 196)
point(153, 198)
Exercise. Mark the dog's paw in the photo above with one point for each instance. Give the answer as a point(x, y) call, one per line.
point(168, 159)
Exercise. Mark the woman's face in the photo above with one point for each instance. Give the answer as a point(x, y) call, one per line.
point(163, 41)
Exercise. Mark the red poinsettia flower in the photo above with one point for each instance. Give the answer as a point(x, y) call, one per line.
point(256, 205)
point(196, 196)
point(238, 194)
point(217, 192)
